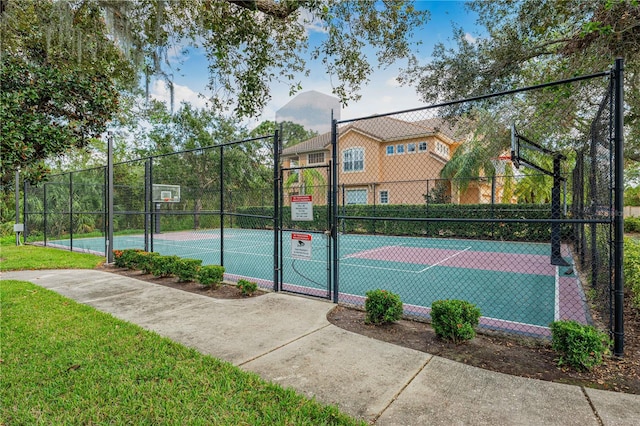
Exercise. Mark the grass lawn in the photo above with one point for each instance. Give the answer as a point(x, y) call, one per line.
point(62, 362)
point(14, 258)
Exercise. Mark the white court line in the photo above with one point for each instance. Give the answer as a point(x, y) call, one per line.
point(401, 270)
point(444, 260)
point(357, 253)
point(270, 244)
point(380, 267)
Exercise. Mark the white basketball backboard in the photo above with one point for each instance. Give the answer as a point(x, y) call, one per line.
point(162, 193)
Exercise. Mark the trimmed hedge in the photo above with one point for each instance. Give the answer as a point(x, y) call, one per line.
point(631, 265)
point(211, 275)
point(187, 269)
point(247, 288)
point(163, 266)
point(632, 224)
point(525, 231)
point(454, 320)
point(382, 307)
point(581, 346)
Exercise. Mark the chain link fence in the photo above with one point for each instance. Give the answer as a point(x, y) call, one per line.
point(487, 200)
point(187, 203)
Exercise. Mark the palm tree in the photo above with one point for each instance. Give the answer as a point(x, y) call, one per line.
point(308, 181)
point(478, 156)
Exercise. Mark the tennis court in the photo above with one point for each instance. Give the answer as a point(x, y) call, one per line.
point(513, 283)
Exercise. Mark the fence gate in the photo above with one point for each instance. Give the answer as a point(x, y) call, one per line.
point(305, 224)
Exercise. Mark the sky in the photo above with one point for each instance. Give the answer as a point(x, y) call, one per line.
point(382, 93)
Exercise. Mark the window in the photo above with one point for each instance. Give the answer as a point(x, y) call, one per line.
point(384, 197)
point(442, 149)
point(315, 158)
point(390, 149)
point(411, 148)
point(422, 147)
point(400, 149)
point(356, 196)
point(353, 160)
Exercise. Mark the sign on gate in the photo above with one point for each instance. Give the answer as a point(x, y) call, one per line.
point(301, 246)
point(301, 207)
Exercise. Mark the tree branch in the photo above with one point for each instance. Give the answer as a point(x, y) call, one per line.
point(269, 7)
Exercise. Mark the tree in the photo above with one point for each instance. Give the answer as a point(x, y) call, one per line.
point(251, 44)
point(61, 70)
point(195, 140)
point(60, 75)
point(537, 41)
point(291, 133)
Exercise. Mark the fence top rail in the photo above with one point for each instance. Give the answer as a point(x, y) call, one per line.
point(90, 169)
point(482, 97)
point(221, 145)
point(257, 138)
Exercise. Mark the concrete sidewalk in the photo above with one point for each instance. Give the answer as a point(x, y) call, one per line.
point(288, 340)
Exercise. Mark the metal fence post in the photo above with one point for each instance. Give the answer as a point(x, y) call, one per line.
point(147, 202)
point(222, 206)
point(25, 211)
point(17, 193)
point(276, 211)
point(110, 198)
point(71, 211)
point(618, 220)
point(334, 206)
point(45, 212)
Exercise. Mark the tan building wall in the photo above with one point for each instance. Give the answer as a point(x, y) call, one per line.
point(402, 175)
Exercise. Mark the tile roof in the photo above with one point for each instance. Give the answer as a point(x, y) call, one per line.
point(317, 143)
point(384, 129)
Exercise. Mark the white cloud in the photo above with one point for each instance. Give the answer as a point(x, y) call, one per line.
point(309, 23)
point(160, 91)
point(392, 82)
point(383, 94)
point(471, 39)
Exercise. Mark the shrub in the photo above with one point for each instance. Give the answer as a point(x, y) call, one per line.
point(247, 287)
point(632, 224)
point(454, 320)
point(129, 258)
point(118, 260)
point(187, 269)
point(163, 266)
point(211, 275)
point(631, 264)
point(581, 346)
point(382, 307)
point(144, 261)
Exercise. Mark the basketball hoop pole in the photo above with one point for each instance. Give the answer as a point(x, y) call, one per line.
point(157, 216)
point(516, 159)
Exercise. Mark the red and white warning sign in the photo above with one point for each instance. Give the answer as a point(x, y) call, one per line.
point(301, 207)
point(301, 246)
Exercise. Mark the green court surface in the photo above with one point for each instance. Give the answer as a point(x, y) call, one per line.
point(513, 283)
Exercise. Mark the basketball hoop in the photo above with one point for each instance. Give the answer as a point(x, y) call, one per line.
point(504, 158)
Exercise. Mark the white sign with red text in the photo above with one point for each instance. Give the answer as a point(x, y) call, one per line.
point(301, 207)
point(301, 246)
